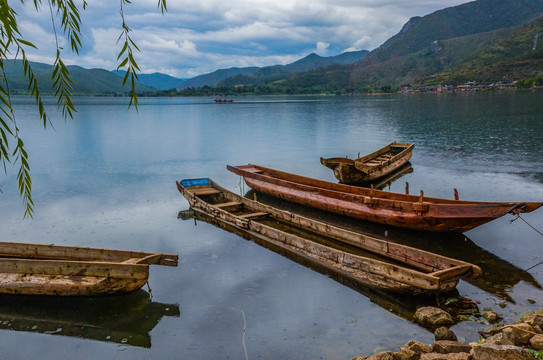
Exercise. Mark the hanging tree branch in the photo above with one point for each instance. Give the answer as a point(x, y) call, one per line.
point(12, 149)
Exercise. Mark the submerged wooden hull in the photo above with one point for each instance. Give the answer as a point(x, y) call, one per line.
point(392, 267)
point(36, 269)
point(370, 167)
point(401, 210)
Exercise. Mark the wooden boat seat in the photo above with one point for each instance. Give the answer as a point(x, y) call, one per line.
point(253, 215)
point(205, 191)
point(231, 204)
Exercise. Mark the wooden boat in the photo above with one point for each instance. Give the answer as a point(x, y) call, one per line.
point(401, 210)
point(370, 167)
point(376, 263)
point(36, 269)
point(224, 101)
point(499, 276)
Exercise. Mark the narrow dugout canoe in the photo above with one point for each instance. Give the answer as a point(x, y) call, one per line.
point(381, 264)
point(36, 269)
point(384, 207)
point(370, 167)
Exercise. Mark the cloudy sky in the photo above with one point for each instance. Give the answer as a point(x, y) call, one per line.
point(196, 37)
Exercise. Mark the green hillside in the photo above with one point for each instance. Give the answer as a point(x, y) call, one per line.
point(155, 80)
point(516, 56)
point(277, 72)
point(428, 45)
point(86, 81)
point(215, 77)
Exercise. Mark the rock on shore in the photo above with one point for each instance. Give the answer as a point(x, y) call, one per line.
point(521, 341)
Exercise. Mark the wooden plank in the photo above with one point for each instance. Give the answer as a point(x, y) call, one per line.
point(230, 204)
point(204, 191)
point(75, 253)
point(74, 268)
point(253, 215)
point(60, 285)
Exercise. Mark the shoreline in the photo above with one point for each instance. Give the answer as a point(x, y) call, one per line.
point(522, 340)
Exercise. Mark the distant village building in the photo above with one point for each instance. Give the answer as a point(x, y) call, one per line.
point(406, 88)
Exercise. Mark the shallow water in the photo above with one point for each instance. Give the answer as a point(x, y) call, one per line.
point(107, 179)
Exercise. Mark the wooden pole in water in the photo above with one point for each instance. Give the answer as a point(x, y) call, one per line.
point(456, 194)
point(406, 188)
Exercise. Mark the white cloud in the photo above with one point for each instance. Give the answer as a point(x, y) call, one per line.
point(321, 48)
point(201, 36)
point(360, 44)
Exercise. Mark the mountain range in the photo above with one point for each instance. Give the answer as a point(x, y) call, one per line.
point(482, 40)
point(440, 46)
point(86, 81)
point(155, 80)
point(255, 75)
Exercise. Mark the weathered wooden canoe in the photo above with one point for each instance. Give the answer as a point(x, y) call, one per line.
point(370, 167)
point(376, 263)
point(401, 210)
point(36, 269)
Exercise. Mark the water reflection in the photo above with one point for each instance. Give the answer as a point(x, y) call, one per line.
point(498, 278)
point(126, 320)
point(398, 304)
point(387, 180)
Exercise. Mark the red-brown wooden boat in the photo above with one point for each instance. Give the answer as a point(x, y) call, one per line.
point(372, 262)
point(401, 210)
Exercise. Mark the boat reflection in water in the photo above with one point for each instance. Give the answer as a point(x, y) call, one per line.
point(498, 277)
point(126, 319)
point(386, 181)
point(400, 305)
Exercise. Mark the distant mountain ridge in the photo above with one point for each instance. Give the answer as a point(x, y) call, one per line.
point(424, 47)
point(86, 81)
point(215, 77)
point(278, 72)
point(235, 76)
point(155, 80)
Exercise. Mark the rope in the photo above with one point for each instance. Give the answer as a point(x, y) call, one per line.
point(526, 222)
point(537, 231)
point(149, 289)
point(531, 267)
point(241, 186)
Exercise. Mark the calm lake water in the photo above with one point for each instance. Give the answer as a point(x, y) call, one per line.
point(107, 179)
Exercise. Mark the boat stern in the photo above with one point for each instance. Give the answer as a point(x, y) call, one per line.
point(192, 183)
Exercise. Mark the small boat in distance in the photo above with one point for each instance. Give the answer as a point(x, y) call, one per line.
point(370, 167)
point(359, 258)
point(384, 207)
point(224, 101)
point(37, 269)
